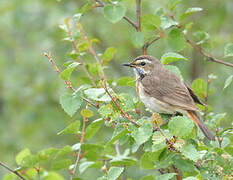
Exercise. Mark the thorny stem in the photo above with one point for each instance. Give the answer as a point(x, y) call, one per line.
point(11, 170)
point(68, 84)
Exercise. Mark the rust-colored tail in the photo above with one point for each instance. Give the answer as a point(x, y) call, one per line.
point(201, 125)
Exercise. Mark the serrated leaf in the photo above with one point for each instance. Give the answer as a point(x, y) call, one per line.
point(114, 172)
point(53, 176)
point(190, 152)
point(123, 161)
point(228, 50)
point(71, 102)
point(180, 126)
point(190, 11)
point(138, 39)
point(176, 40)
point(67, 150)
point(228, 81)
point(108, 55)
point(149, 177)
point(171, 57)
point(184, 165)
point(93, 128)
point(201, 37)
point(199, 87)
point(97, 94)
point(126, 81)
point(114, 13)
point(142, 134)
point(150, 22)
point(29, 161)
point(165, 176)
point(86, 113)
point(21, 155)
point(61, 164)
point(71, 129)
point(175, 70)
point(158, 138)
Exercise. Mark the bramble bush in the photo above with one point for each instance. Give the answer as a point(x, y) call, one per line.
point(161, 146)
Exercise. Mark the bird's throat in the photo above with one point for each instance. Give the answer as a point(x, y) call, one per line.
point(140, 73)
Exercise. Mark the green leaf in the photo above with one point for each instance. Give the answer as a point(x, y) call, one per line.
point(127, 103)
point(150, 22)
point(149, 177)
point(190, 178)
point(65, 75)
point(190, 152)
point(184, 165)
point(97, 94)
point(176, 40)
point(86, 113)
point(190, 11)
point(228, 50)
point(117, 136)
point(29, 161)
point(71, 102)
point(10, 176)
point(165, 176)
point(21, 155)
point(105, 110)
point(143, 133)
point(138, 39)
point(53, 176)
point(228, 81)
point(114, 13)
point(83, 46)
point(61, 164)
point(180, 126)
point(123, 161)
point(167, 22)
point(67, 150)
point(93, 128)
point(114, 172)
point(199, 87)
point(108, 55)
point(171, 57)
point(89, 164)
point(71, 129)
point(46, 154)
point(126, 81)
point(175, 70)
point(201, 37)
point(173, 3)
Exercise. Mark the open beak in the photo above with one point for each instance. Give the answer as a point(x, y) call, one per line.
point(130, 65)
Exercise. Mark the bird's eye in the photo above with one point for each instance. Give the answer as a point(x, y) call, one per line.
point(142, 63)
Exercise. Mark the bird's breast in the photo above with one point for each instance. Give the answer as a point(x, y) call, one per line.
point(152, 103)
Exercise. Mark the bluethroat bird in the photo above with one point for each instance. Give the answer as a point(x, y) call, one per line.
point(162, 91)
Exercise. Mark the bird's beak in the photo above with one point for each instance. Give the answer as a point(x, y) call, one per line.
point(129, 64)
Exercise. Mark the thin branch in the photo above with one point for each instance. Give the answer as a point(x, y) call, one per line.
point(145, 47)
point(68, 84)
point(79, 58)
point(79, 152)
point(208, 56)
point(130, 21)
point(115, 102)
point(11, 170)
point(178, 175)
point(138, 11)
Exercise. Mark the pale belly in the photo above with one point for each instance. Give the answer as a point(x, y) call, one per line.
point(154, 104)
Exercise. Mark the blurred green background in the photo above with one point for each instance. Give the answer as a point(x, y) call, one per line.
point(30, 113)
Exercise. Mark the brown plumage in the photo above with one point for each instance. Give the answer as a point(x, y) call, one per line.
point(162, 91)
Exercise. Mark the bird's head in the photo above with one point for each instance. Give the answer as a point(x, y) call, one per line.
point(143, 65)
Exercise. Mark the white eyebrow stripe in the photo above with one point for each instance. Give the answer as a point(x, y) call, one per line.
point(143, 60)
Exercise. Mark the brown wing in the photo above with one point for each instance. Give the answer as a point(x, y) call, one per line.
point(165, 86)
point(193, 95)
